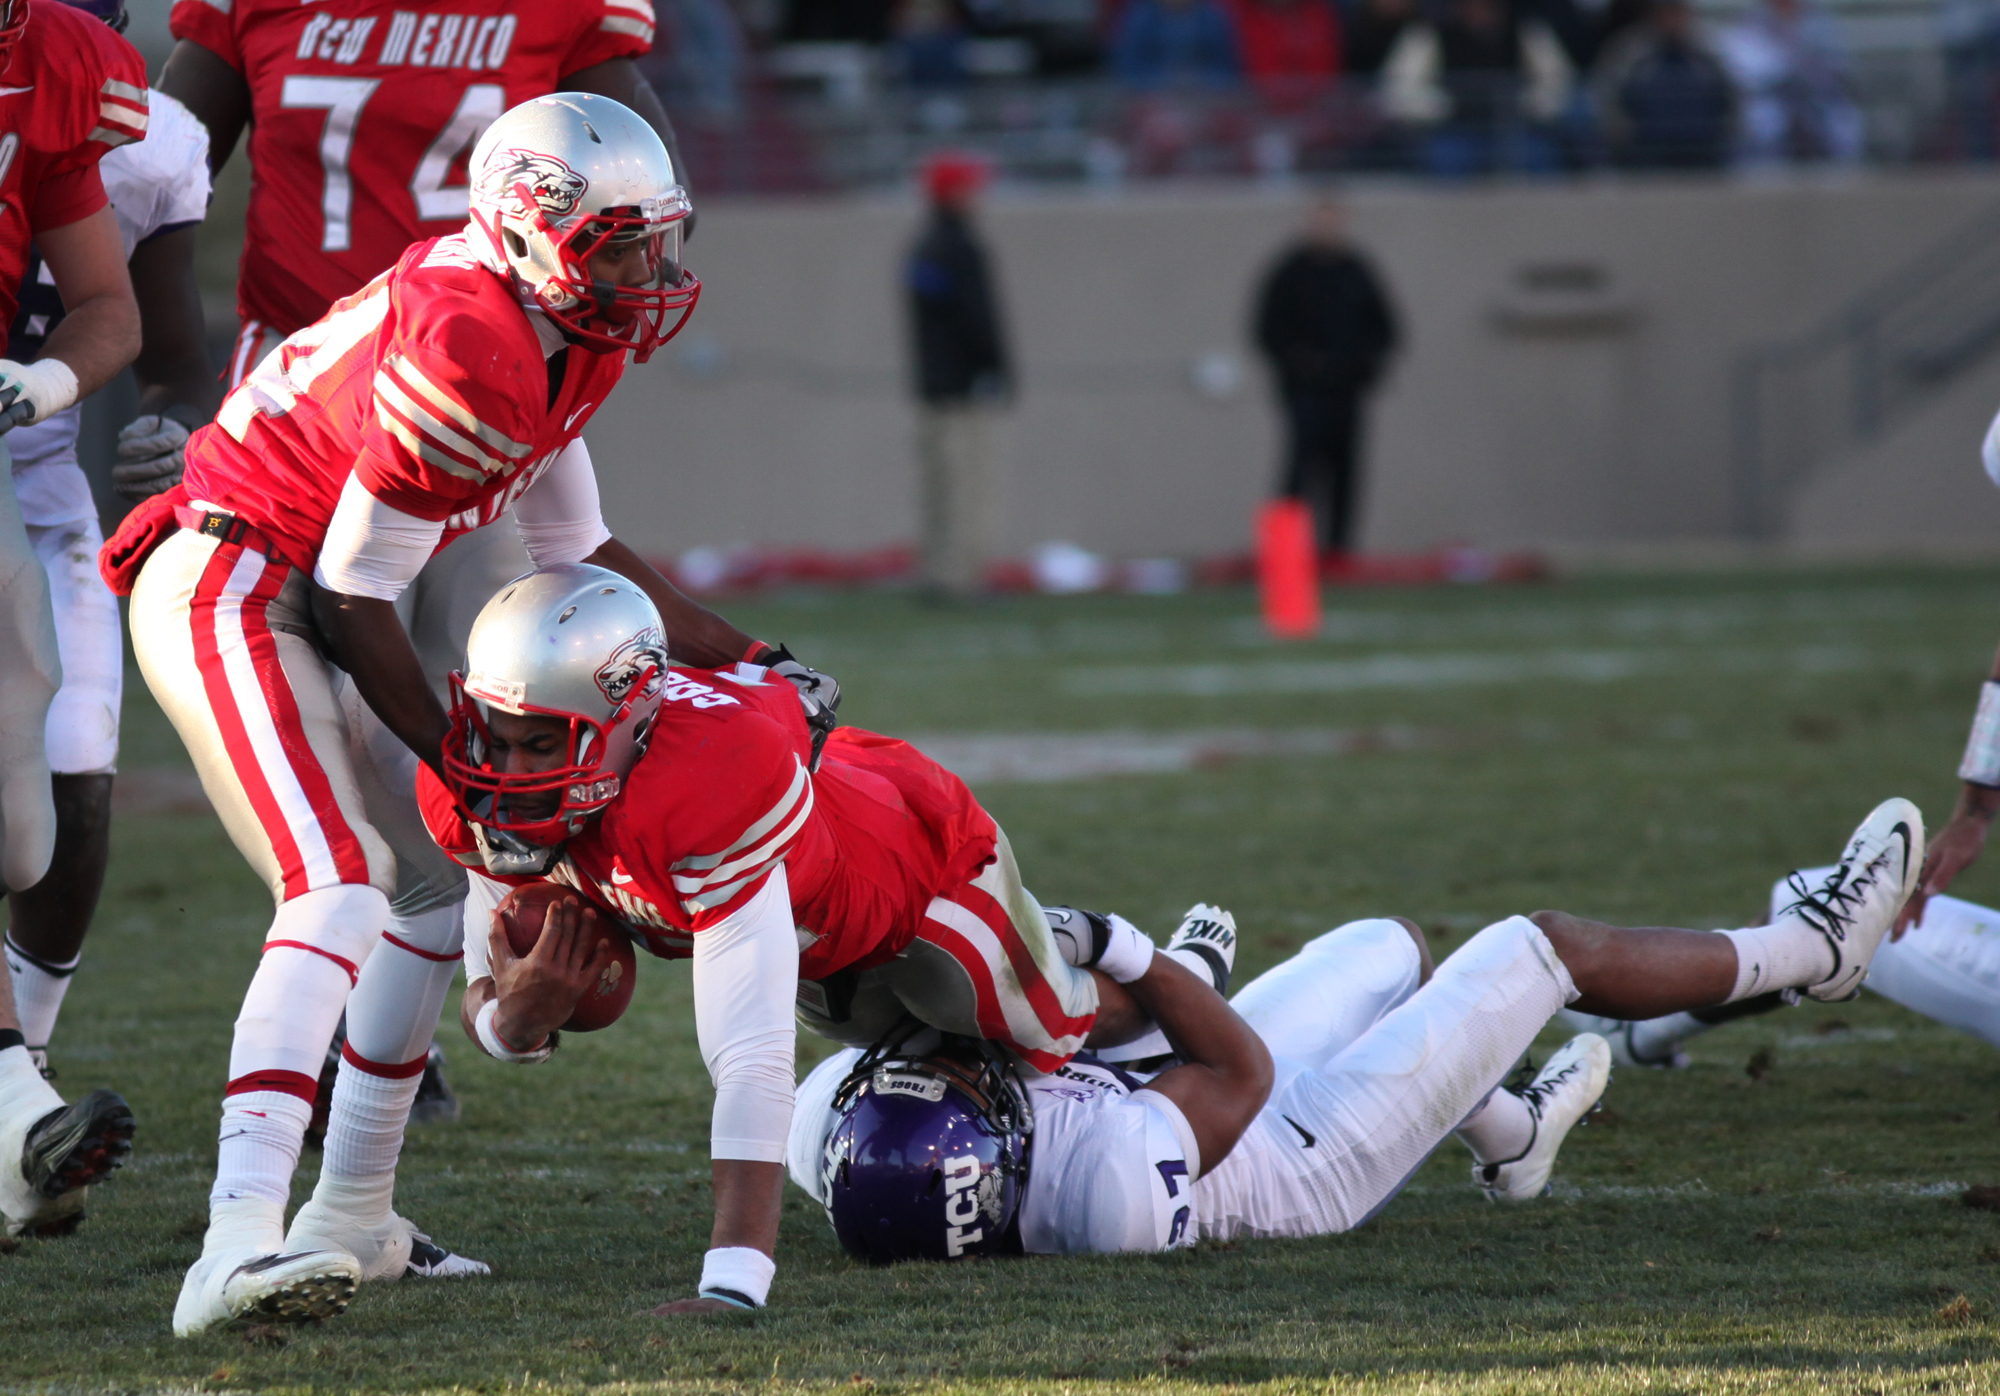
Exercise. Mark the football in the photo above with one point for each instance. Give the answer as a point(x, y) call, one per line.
point(604, 1003)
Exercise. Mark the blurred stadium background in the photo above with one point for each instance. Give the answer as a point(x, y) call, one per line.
point(1774, 344)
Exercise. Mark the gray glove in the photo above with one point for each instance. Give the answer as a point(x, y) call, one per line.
point(152, 452)
point(819, 693)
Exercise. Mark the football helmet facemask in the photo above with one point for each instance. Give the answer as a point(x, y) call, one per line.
point(557, 180)
point(929, 1159)
point(574, 642)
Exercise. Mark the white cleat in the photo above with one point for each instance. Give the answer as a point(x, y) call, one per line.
point(1624, 1052)
point(391, 1249)
point(1855, 903)
point(1562, 1093)
point(1208, 933)
point(238, 1285)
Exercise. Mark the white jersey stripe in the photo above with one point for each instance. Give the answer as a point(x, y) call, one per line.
point(423, 450)
point(638, 28)
point(392, 401)
point(443, 402)
point(774, 846)
point(252, 709)
point(138, 95)
point(721, 895)
point(755, 833)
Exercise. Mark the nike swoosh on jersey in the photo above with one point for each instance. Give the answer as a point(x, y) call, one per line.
point(15, 91)
point(578, 413)
point(619, 877)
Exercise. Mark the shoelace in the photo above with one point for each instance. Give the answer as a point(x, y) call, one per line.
point(1828, 908)
point(1537, 1093)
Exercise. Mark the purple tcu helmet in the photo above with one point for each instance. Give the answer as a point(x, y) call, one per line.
point(930, 1156)
point(112, 12)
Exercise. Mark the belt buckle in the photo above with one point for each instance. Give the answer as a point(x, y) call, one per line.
point(226, 527)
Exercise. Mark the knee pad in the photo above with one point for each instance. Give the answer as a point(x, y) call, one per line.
point(343, 923)
point(440, 931)
point(82, 730)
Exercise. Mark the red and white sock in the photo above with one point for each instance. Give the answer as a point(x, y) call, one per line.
point(391, 1018)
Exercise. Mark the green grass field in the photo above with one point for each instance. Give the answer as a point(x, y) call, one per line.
point(1651, 750)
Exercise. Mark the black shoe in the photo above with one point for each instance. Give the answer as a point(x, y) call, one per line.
point(78, 1145)
point(436, 1102)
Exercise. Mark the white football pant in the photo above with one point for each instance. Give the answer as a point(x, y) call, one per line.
point(30, 674)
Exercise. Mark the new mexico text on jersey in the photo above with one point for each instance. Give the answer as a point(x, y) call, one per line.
point(363, 114)
point(429, 386)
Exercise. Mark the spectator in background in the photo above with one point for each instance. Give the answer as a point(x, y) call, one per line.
point(1968, 32)
point(837, 21)
point(1487, 80)
point(1174, 44)
point(1372, 30)
point(962, 380)
point(1326, 325)
point(930, 43)
point(1791, 75)
point(1290, 48)
point(1665, 98)
point(705, 45)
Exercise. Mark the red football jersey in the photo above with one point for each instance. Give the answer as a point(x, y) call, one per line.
point(722, 796)
point(364, 113)
point(71, 91)
point(429, 384)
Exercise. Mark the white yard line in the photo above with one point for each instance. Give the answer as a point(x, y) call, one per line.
point(1038, 757)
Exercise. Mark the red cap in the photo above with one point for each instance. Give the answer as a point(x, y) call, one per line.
point(952, 175)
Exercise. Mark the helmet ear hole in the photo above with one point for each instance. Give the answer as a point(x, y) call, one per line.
point(516, 244)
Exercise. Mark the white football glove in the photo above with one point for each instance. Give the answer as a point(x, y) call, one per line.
point(46, 385)
point(152, 452)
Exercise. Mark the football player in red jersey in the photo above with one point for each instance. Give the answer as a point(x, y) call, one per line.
point(448, 392)
point(851, 890)
point(70, 90)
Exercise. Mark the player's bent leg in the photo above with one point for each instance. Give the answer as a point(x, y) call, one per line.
point(1337, 1144)
point(1312, 1006)
point(985, 964)
point(30, 674)
point(1545, 1110)
point(391, 1018)
point(1947, 967)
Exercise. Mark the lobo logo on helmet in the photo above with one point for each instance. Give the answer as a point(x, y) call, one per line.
point(967, 1194)
point(644, 651)
point(554, 185)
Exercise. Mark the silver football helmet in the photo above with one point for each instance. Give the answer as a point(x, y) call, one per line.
point(570, 641)
point(559, 178)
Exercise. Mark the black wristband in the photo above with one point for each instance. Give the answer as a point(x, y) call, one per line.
point(12, 1037)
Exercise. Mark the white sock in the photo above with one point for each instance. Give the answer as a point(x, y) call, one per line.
point(364, 1133)
point(22, 1089)
point(1656, 1037)
point(262, 1132)
point(39, 986)
point(1500, 1130)
point(244, 1223)
point(366, 1200)
point(1787, 954)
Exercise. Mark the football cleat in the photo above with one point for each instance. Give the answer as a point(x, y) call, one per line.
point(239, 1284)
point(1624, 1049)
point(436, 1102)
point(391, 1249)
point(1855, 903)
point(1563, 1092)
point(1207, 933)
point(48, 1164)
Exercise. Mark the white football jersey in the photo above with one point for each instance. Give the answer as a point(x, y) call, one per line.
point(1109, 1168)
point(154, 185)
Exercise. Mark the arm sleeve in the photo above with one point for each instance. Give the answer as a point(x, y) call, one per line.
point(373, 549)
point(483, 896)
point(609, 29)
point(559, 517)
point(746, 975)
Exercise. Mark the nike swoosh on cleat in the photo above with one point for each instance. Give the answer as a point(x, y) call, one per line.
point(1303, 1133)
point(1903, 828)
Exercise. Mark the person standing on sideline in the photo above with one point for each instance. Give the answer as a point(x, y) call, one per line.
point(962, 379)
point(1327, 327)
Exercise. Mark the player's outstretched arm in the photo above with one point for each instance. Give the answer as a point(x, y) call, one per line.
point(369, 642)
point(1958, 845)
point(1227, 1076)
point(215, 92)
point(100, 334)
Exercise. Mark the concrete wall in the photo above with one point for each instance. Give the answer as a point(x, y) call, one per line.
point(1565, 379)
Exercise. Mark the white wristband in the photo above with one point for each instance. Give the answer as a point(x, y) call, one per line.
point(1981, 765)
point(489, 1038)
point(738, 1275)
point(1128, 954)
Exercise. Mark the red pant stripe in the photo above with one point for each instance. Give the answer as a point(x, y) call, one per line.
point(435, 958)
point(403, 1071)
point(284, 1082)
point(353, 971)
point(1041, 997)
